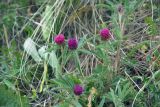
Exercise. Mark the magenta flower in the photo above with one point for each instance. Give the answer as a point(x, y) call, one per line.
point(59, 39)
point(105, 34)
point(72, 43)
point(78, 89)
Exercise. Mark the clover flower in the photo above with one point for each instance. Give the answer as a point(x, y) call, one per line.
point(78, 89)
point(59, 39)
point(72, 43)
point(105, 34)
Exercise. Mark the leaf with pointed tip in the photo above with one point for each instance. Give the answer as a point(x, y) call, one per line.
point(30, 48)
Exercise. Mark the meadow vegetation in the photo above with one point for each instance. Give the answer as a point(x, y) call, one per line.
point(79, 53)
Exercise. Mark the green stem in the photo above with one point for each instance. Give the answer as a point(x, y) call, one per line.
point(44, 76)
point(78, 63)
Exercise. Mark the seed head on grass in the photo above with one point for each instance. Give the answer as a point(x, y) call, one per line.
point(120, 8)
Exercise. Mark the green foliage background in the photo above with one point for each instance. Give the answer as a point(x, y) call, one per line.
point(135, 81)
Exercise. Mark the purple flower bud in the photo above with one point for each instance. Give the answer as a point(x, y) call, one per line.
point(78, 89)
point(59, 39)
point(72, 43)
point(105, 34)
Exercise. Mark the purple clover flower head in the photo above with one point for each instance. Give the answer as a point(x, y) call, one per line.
point(59, 39)
point(72, 43)
point(105, 34)
point(78, 89)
